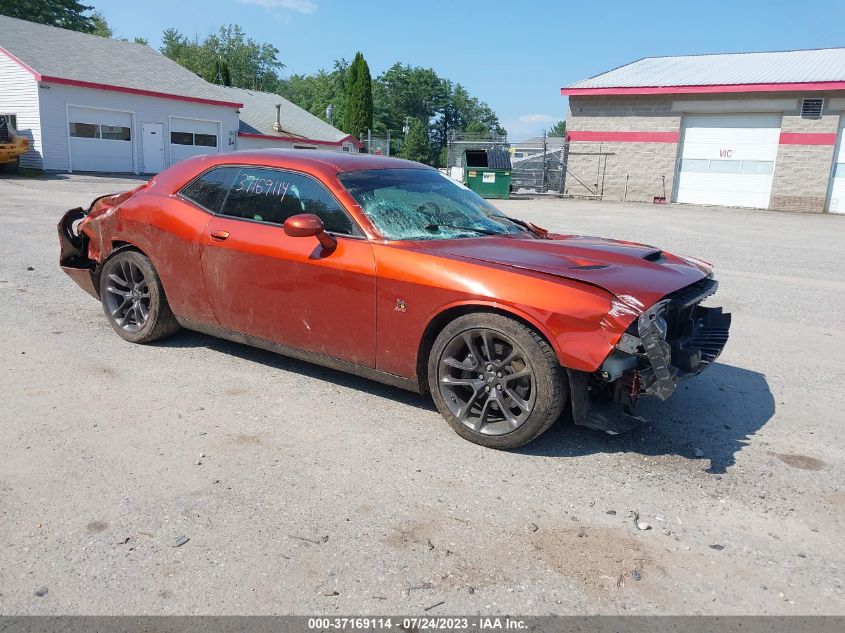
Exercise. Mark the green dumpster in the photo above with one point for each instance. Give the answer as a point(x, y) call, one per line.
point(488, 172)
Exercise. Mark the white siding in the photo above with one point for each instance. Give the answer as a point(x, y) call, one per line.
point(55, 97)
point(19, 96)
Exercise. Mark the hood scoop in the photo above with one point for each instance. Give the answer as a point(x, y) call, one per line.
point(590, 267)
point(654, 256)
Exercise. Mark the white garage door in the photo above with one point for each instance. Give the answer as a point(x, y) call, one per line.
point(192, 137)
point(728, 159)
point(837, 181)
point(100, 140)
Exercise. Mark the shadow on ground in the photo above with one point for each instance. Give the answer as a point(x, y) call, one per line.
point(716, 412)
point(188, 338)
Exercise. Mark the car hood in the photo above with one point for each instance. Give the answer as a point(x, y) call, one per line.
point(637, 274)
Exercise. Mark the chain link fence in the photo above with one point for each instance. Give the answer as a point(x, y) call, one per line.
point(542, 165)
point(376, 145)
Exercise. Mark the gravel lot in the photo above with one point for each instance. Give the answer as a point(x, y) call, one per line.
point(303, 490)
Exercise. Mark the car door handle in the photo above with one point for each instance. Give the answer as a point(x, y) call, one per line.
point(219, 235)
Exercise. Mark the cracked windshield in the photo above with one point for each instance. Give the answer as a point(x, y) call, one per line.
point(423, 204)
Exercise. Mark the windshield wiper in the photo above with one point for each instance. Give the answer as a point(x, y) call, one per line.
point(525, 225)
point(435, 227)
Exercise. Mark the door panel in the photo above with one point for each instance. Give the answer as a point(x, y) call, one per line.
point(152, 140)
point(836, 195)
point(290, 290)
point(100, 139)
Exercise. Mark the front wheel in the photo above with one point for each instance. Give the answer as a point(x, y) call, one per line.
point(495, 380)
point(134, 300)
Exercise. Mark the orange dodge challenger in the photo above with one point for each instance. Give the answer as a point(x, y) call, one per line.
point(390, 270)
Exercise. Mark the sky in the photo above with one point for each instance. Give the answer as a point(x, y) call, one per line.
point(514, 55)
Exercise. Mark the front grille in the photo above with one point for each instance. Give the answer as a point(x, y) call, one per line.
point(692, 294)
point(709, 337)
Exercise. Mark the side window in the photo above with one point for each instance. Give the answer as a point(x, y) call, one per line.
point(210, 189)
point(272, 195)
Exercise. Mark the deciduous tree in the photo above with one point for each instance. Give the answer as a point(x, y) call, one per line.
point(251, 64)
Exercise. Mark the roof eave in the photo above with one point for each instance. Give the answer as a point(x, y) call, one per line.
point(299, 139)
point(137, 91)
point(705, 89)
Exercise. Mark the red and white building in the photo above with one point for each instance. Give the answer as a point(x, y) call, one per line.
point(94, 104)
point(760, 130)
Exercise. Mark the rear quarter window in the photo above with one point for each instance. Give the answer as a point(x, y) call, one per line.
point(268, 195)
point(210, 190)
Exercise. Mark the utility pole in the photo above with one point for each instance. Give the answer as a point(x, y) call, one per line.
point(330, 114)
point(543, 177)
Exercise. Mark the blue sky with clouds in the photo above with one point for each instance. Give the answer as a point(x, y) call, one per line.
point(513, 55)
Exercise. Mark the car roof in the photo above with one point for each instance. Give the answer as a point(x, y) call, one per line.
point(341, 161)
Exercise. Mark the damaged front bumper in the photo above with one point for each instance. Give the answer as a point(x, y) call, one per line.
point(675, 339)
point(73, 253)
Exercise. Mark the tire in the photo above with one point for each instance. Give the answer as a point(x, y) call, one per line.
point(134, 300)
point(11, 168)
point(496, 381)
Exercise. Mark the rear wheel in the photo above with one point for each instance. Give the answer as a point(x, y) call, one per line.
point(496, 381)
point(133, 299)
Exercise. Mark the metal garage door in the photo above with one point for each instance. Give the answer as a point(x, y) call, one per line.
point(837, 179)
point(100, 140)
point(728, 159)
point(192, 137)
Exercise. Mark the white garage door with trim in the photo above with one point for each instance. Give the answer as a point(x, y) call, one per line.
point(837, 177)
point(100, 140)
point(192, 137)
point(728, 160)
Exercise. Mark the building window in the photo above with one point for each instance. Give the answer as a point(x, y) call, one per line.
point(744, 167)
point(304, 147)
point(205, 140)
point(695, 165)
point(95, 130)
point(114, 132)
point(345, 148)
point(181, 138)
point(84, 130)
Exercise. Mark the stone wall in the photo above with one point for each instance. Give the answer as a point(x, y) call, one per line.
point(802, 171)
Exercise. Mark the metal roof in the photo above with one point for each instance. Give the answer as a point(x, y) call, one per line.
point(806, 66)
point(258, 114)
point(80, 58)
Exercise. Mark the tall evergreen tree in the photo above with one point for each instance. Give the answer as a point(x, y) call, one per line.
point(358, 105)
point(66, 14)
point(416, 146)
point(558, 129)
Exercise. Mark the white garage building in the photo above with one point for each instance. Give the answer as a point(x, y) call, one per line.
point(94, 104)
